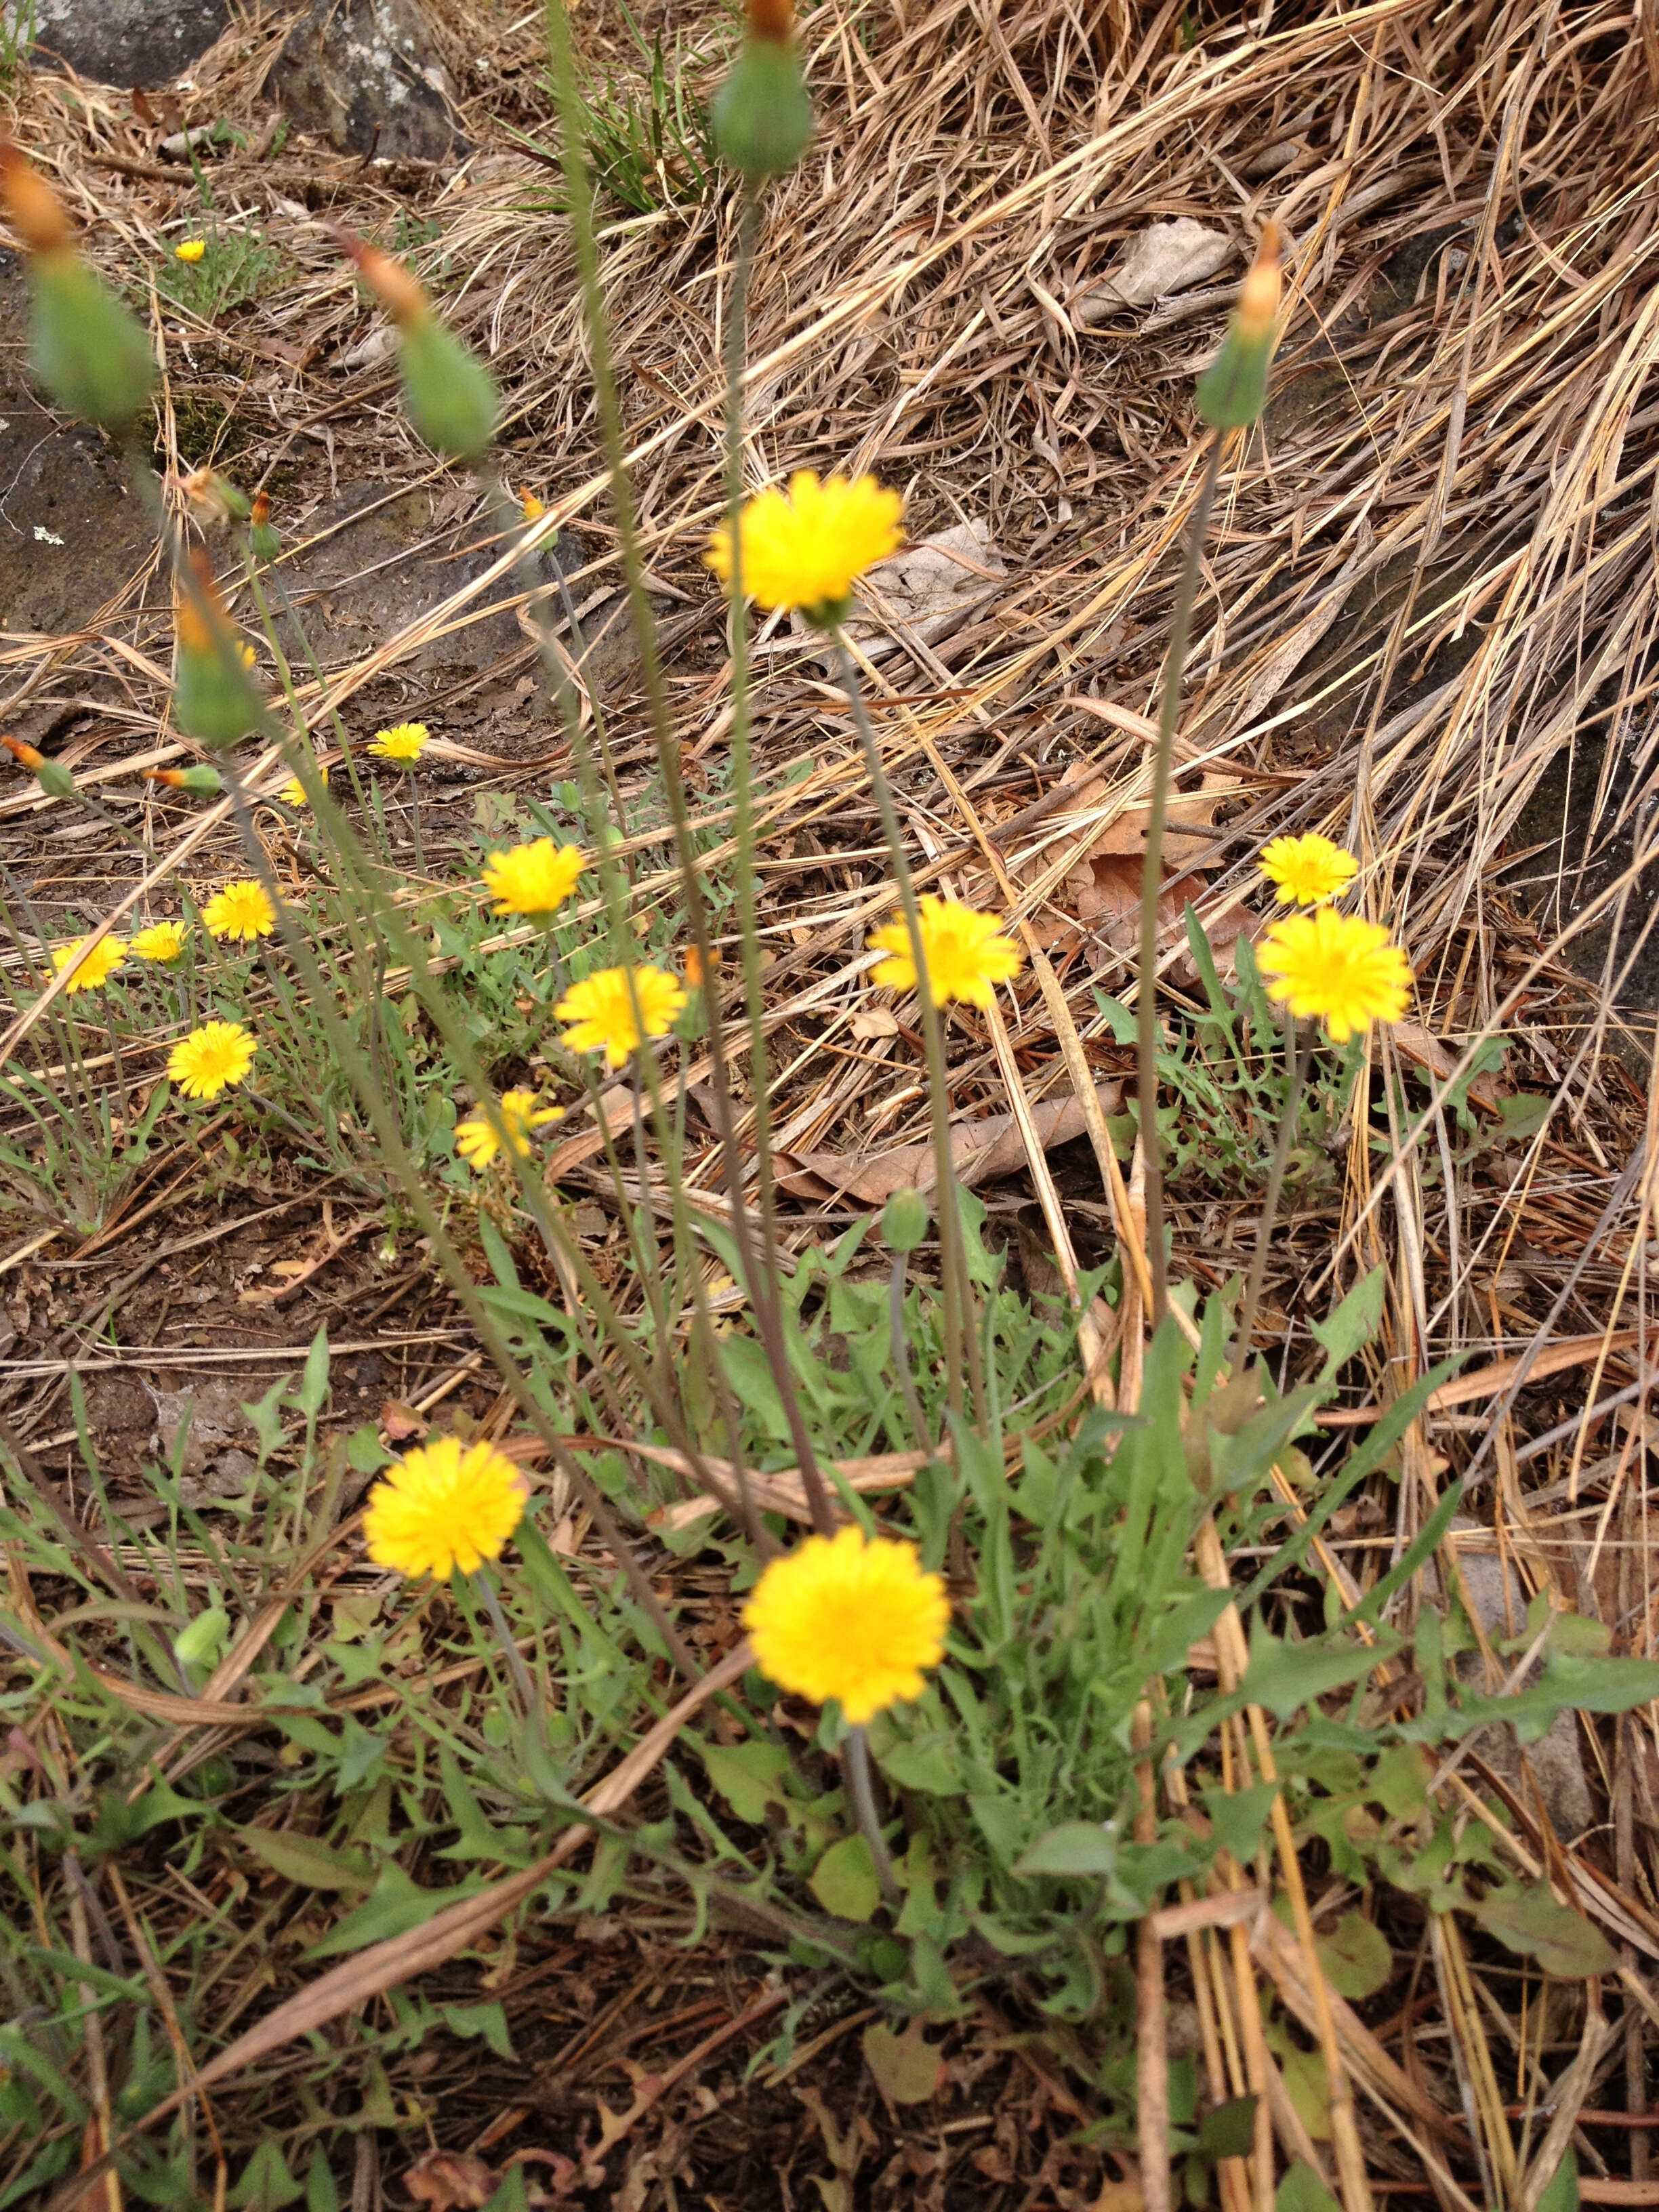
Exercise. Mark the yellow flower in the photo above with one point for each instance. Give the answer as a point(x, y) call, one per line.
point(1307, 871)
point(443, 1507)
point(851, 1618)
point(215, 1057)
point(964, 950)
point(190, 249)
point(807, 548)
point(533, 879)
point(404, 742)
point(94, 970)
point(293, 793)
point(476, 1139)
point(601, 1010)
point(533, 507)
point(1346, 970)
point(240, 910)
point(162, 940)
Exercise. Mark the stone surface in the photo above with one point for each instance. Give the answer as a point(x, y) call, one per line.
point(71, 537)
point(1557, 1763)
point(125, 42)
point(365, 73)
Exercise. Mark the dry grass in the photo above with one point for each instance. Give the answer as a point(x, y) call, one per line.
point(1431, 585)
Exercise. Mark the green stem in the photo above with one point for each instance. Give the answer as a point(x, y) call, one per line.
point(960, 1335)
point(484, 1590)
point(1264, 1231)
point(1151, 879)
point(860, 1789)
point(902, 1351)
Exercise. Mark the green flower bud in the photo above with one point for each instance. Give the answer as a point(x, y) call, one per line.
point(762, 113)
point(1233, 389)
point(213, 702)
point(201, 1642)
point(450, 394)
point(53, 778)
point(87, 351)
point(904, 1220)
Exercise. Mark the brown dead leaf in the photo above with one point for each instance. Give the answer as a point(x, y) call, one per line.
point(1428, 1052)
point(450, 2181)
point(979, 1152)
point(1111, 912)
point(907, 2067)
point(874, 1022)
point(399, 1421)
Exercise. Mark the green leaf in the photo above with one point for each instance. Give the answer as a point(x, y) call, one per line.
point(844, 1880)
point(1599, 1685)
point(94, 1978)
point(322, 2194)
point(1356, 1957)
point(1284, 1677)
point(265, 2183)
point(1074, 1848)
point(1229, 2132)
point(1533, 1921)
point(312, 1392)
point(365, 1453)
point(746, 1775)
point(929, 1763)
point(487, 2020)
point(394, 1906)
point(1561, 2195)
point(302, 1859)
point(1237, 1818)
point(1353, 1324)
point(1302, 2190)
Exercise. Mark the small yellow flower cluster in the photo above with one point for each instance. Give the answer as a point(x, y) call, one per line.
point(1345, 970)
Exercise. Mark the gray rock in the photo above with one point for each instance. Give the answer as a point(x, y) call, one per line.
point(365, 73)
point(124, 42)
point(210, 1416)
point(1556, 1761)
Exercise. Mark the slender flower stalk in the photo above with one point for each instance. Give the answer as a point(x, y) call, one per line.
point(1151, 878)
point(960, 1338)
point(1284, 1138)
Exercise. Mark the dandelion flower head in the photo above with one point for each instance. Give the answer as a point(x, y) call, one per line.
point(600, 1010)
point(215, 1057)
point(476, 1139)
point(533, 879)
point(162, 940)
point(1346, 970)
point(404, 741)
point(241, 912)
point(848, 1617)
point(1307, 871)
point(293, 793)
point(807, 547)
point(965, 952)
point(190, 249)
point(88, 971)
point(444, 1505)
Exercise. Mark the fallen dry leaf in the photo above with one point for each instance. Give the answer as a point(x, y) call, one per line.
point(928, 589)
point(979, 1152)
point(907, 2067)
point(1167, 256)
point(450, 2181)
point(1440, 1060)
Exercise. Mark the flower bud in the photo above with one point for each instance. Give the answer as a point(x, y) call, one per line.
point(397, 291)
point(214, 495)
point(200, 1642)
point(84, 347)
point(262, 534)
point(199, 782)
point(904, 1220)
point(451, 396)
point(1233, 389)
point(762, 115)
point(212, 697)
point(53, 778)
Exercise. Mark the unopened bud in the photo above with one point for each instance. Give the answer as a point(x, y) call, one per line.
point(762, 115)
point(212, 697)
point(262, 534)
point(450, 394)
point(769, 19)
point(904, 1220)
point(200, 783)
point(398, 292)
point(216, 497)
point(32, 207)
point(53, 778)
point(1233, 389)
point(533, 507)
